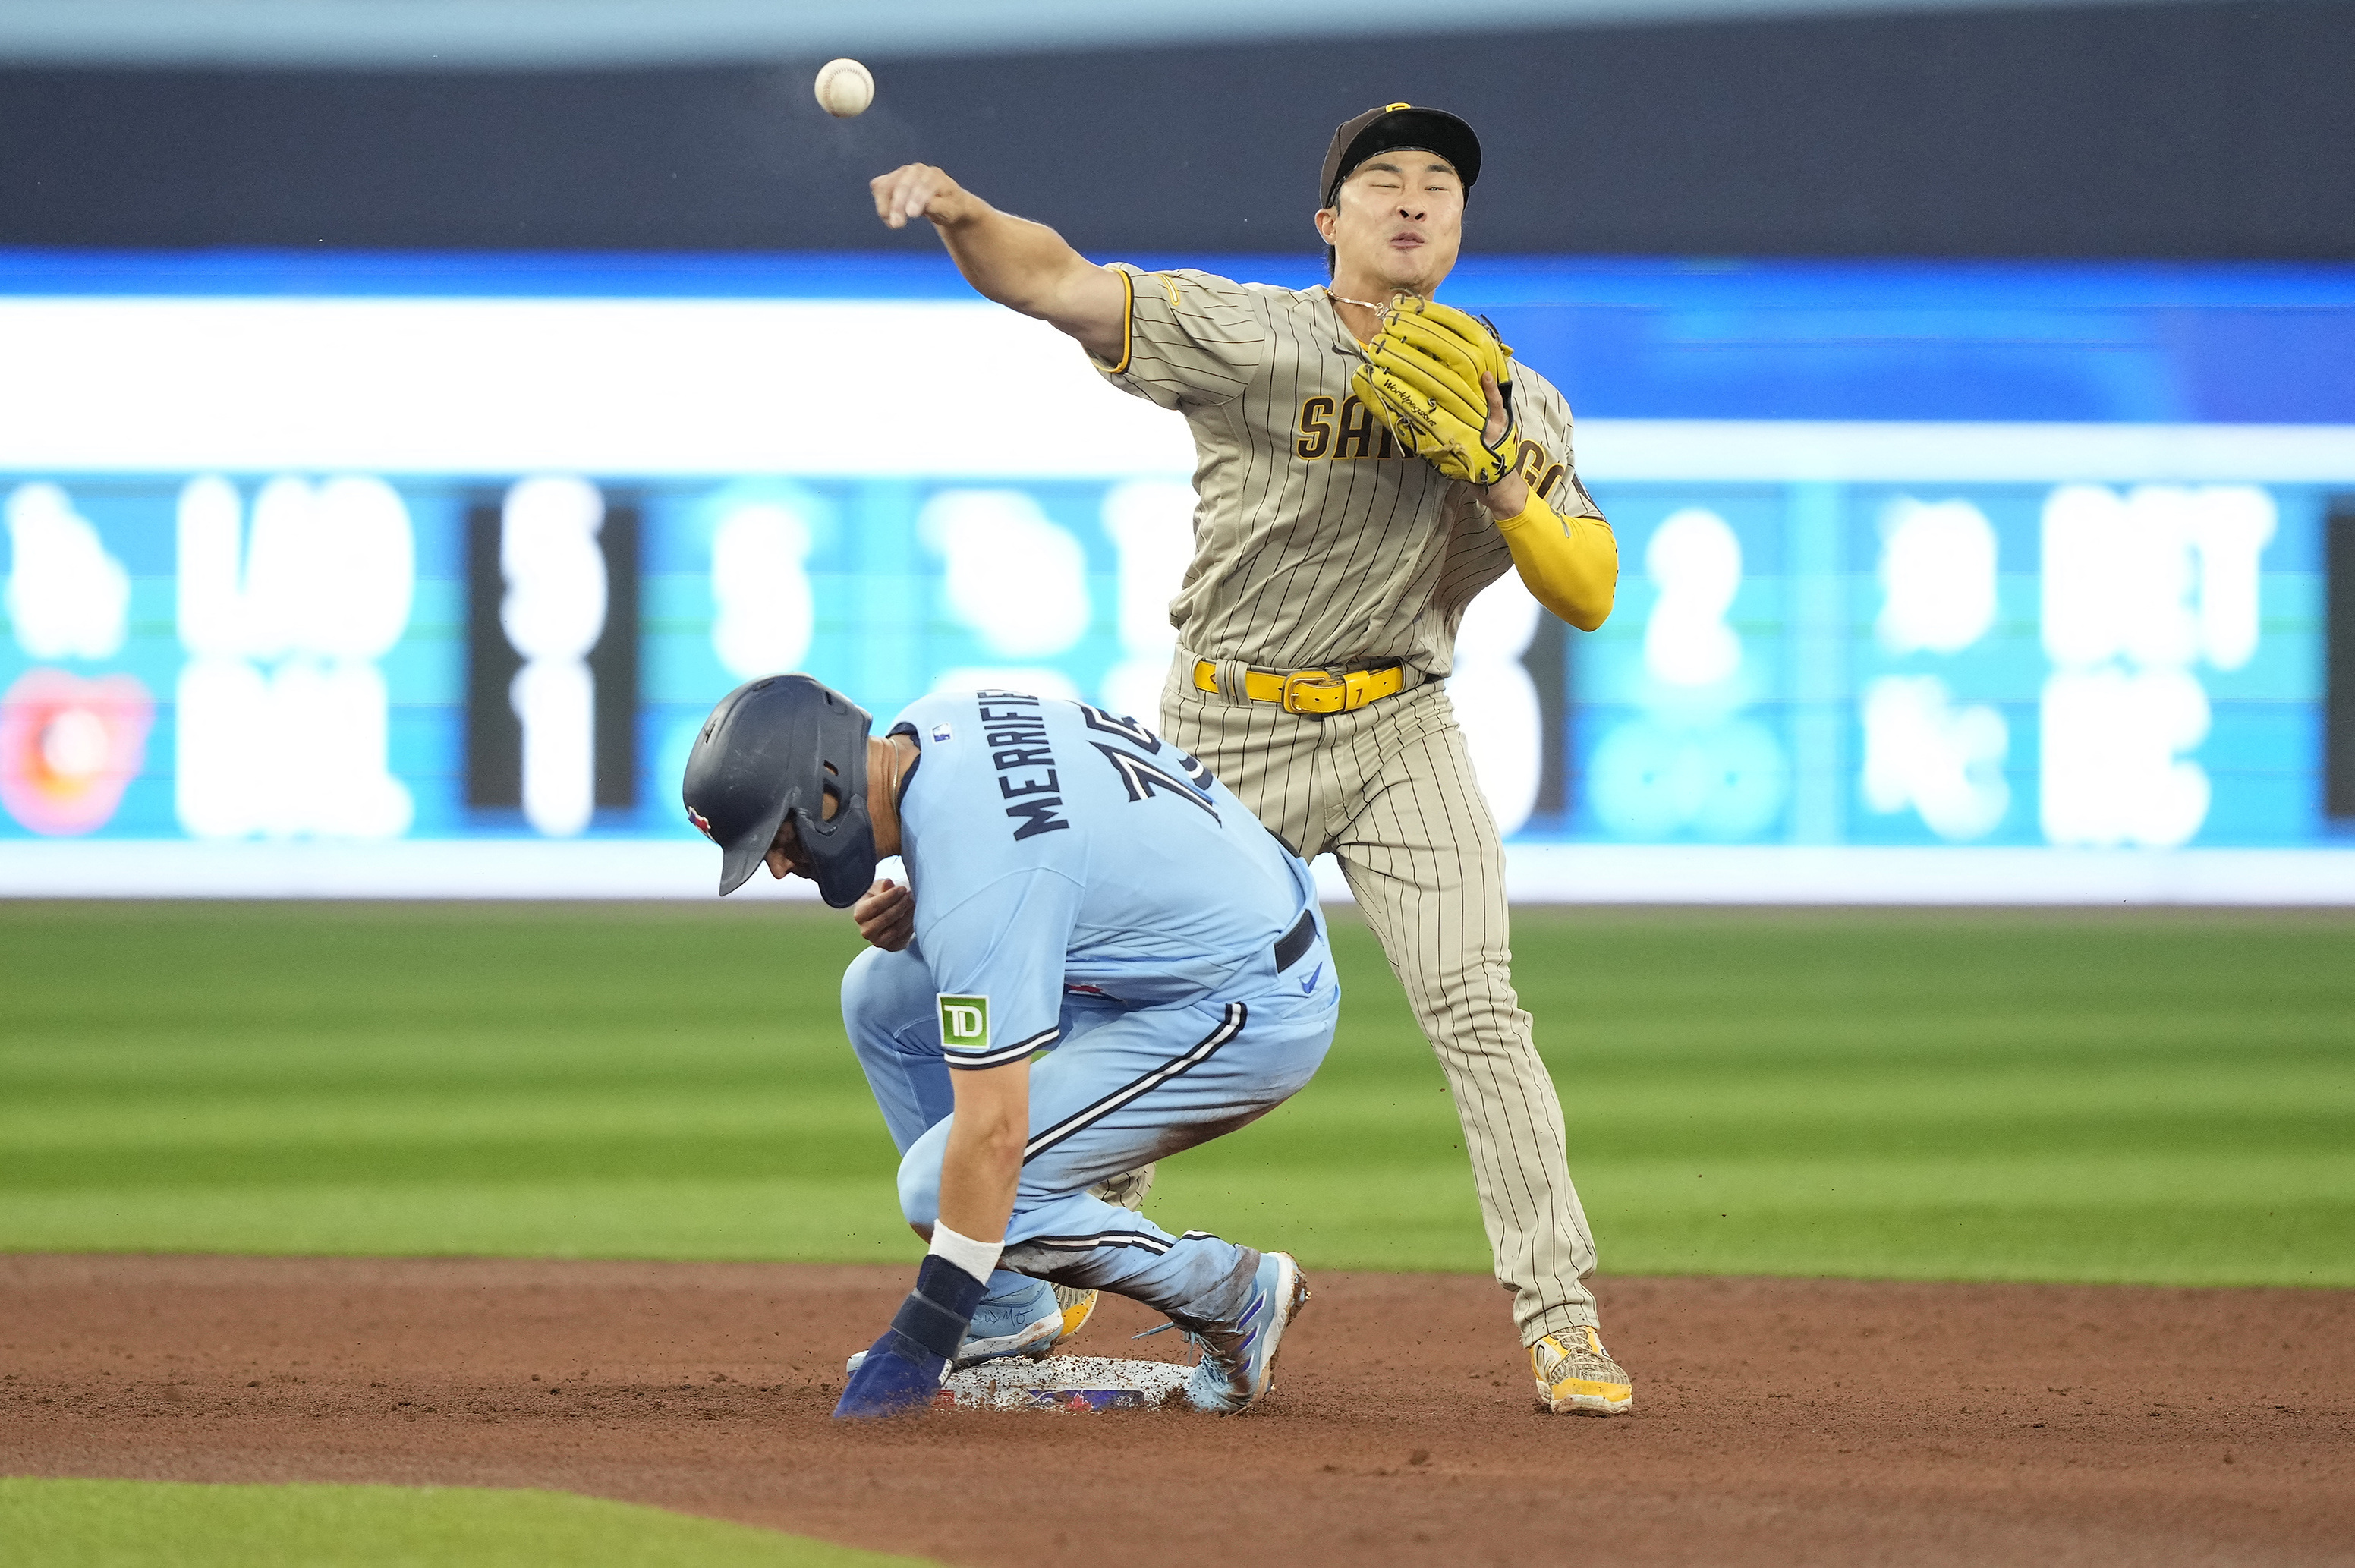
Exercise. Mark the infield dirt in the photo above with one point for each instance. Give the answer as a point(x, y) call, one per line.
point(1777, 1420)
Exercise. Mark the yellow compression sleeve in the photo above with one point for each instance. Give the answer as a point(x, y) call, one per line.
point(1570, 565)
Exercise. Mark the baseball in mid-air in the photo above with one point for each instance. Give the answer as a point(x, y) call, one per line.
point(844, 88)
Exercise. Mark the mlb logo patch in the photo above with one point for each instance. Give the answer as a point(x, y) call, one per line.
point(940, 731)
point(965, 1022)
point(702, 824)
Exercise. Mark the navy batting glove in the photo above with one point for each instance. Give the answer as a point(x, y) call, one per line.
point(898, 1376)
point(904, 1369)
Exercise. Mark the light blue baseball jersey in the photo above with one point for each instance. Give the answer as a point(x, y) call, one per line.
point(1050, 844)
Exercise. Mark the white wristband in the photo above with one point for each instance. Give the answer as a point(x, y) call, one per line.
point(976, 1258)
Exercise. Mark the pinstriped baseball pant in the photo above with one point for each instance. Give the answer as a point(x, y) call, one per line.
point(1389, 791)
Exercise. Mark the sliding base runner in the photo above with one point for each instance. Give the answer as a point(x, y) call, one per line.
point(1108, 960)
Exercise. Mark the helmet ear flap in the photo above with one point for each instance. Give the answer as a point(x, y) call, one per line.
point(841, 848)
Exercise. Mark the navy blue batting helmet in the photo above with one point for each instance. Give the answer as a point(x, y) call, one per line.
point(774, 749)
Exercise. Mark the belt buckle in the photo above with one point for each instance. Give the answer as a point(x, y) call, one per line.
point(1314, 680)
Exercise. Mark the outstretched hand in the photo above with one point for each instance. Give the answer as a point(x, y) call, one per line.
point(1023, 265)
point(917, 190)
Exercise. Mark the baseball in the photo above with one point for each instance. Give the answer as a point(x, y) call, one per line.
point(844, 88)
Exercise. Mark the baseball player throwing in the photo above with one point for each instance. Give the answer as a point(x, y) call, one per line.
point(1079, 887)
point(1368, 461)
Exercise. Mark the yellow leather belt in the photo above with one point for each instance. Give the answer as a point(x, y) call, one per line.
point(1312, 692)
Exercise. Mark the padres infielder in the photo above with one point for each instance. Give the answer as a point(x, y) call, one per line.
point(1368, 461)
point(1082, 887)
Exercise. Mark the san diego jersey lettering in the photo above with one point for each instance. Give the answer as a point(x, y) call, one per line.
point(1316, 540)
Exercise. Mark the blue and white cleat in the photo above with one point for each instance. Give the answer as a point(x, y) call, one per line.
point(1238, 1363)
point(1024, 1322)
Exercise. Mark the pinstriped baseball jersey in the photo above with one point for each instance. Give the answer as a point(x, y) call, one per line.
point(1316, 540)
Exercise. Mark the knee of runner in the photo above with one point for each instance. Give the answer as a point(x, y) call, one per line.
point(920, 1184)
point(878, 999)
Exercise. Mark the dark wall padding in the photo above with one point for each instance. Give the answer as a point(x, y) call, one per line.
point(2166, 130)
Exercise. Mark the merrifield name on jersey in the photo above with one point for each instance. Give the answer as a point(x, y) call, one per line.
point(1016, 737)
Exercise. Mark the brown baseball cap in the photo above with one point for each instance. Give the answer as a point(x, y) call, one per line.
point(1390, 127)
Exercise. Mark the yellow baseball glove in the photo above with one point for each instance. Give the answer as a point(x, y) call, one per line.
point(1422, 378)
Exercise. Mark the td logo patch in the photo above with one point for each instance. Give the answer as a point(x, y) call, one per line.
point(965, 1022)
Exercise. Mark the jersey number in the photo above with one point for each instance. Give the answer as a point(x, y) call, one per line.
point(1143, 779)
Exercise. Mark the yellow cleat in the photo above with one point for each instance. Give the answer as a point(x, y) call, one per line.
point(1078, 1305)
point(1576, 1375)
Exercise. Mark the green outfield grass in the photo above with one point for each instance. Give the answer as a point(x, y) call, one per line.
point(168, 1524)
point(2164, 1097)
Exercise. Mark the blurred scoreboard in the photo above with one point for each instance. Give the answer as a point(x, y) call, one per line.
point(415, 575)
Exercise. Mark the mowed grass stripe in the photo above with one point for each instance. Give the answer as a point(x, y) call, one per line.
point(176, 1524)
point(2165, 1096)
